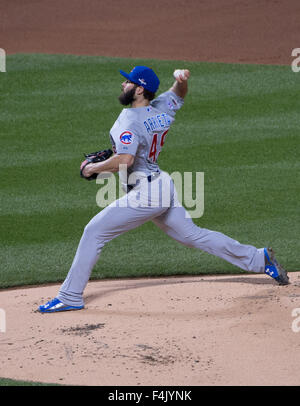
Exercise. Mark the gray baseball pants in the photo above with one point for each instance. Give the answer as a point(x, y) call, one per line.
point(124, 215)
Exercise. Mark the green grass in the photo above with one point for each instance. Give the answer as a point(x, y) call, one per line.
point(240, 126)
point(11, 382)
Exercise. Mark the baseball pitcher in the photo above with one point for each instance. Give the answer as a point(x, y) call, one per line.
point(137, 137)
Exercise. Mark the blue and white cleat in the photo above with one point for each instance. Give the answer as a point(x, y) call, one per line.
point(274, 269)
point(55, 305)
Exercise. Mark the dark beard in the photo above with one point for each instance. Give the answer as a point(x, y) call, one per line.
point(128, 97)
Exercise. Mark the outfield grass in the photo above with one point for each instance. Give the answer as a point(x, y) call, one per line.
point(240, 126)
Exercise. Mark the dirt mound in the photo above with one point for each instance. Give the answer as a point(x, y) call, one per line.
point(216, 330)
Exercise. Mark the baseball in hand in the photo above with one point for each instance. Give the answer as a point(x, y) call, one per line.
point(181, 74)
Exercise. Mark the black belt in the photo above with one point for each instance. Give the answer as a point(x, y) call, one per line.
point(149, 179)
point(153, 176)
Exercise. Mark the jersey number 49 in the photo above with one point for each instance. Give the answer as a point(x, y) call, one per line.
point(156, 146)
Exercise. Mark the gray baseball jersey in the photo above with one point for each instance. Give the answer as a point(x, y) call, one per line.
point(141, 131)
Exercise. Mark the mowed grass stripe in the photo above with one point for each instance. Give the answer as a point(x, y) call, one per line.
point(239, 126)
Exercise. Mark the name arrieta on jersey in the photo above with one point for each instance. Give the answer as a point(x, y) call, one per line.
point(157, 122)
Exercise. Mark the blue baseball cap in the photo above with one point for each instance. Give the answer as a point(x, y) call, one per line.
point(143, 76)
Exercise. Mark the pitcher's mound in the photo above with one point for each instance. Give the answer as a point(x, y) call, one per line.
point(212, 330)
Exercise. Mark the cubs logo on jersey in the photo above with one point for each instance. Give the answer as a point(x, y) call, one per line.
point(126, 138)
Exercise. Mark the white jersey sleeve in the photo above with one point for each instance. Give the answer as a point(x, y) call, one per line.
point(168, 102)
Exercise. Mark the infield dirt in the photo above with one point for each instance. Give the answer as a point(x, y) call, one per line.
point(216, 330)
point(256, 31)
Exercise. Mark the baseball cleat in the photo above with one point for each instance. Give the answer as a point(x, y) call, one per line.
point(55, 305)
point(274, 269)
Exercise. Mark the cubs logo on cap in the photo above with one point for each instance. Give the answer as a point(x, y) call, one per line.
point(126, 137)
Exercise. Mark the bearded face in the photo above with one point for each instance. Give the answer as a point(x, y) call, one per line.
point(127, 96)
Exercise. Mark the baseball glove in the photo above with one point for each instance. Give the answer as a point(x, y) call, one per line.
point(93, 157)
